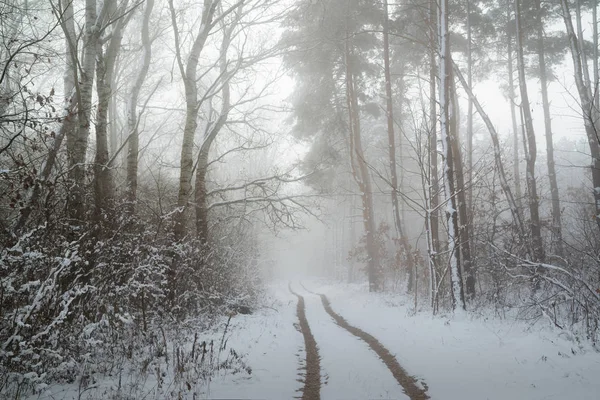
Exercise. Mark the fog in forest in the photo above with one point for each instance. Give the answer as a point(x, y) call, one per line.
point(299, 199)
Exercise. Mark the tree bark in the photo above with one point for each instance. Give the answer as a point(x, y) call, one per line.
point(77, 138)
point(458, 299)
point(556, 218)
point(189, 74)
point(464, 230)
point(105, 68)
point(513, 115)
point(469, 113)
point(434, 188)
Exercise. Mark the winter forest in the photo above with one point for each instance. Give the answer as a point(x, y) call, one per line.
point(299, 199)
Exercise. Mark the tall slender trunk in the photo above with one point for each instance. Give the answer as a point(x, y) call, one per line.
point(536, 235)
point(464, 230)
point(361, 175)
point(112, 118)
point(513, 115)
point(189, 74)
point(132, 117)
point(469, 112)
point(410, 263)
point(434, 188)
point(102, 176)
point(105, 71)
point(77, 139)
point(556, 219)
point(584, 60)
point(458, 299)
point(588, 108)
point(595, 56)
point(430, 253)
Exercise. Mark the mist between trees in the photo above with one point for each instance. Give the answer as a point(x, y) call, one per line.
point(147, 148)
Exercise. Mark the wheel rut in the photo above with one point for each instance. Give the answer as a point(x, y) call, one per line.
point(312, 381)
point(410, 385)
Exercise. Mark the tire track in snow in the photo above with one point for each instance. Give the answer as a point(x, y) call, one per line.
point(411, 386)
point(312, 381)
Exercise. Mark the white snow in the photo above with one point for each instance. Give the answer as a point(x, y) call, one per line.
point(472, 359)
point(466, 358)
point(273, 347)
point(350, 368)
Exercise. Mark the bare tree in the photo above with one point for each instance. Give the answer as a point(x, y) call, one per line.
point(189, 75)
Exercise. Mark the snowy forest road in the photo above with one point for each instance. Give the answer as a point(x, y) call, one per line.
point(347, 368)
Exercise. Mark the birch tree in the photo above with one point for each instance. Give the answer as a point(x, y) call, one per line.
point(446, 116)
point(77, 139)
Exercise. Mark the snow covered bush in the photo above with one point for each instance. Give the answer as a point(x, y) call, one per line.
point(72, 309)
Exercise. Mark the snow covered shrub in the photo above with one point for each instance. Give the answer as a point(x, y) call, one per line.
point(42, 289)
point(71, 309)
point(210, 279)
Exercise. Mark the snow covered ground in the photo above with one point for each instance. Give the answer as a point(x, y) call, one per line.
point(273, 348)
point(472, 359)
point(349, 369)
point(457, 359)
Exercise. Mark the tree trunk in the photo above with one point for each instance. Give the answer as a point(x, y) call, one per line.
point(361, 176)
point(513, 116)
point(469, 114)
point(105, 71)
point(458, 300)
point(132, 117)
point(464, 230)
point(556, 219)
point(589, 110)
point(189, 74)
point(77, 138)
point(595, 58)
point(102, 177)
point(536, 235)
point(201, 198)
point(403, 240)
point(434, 188)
